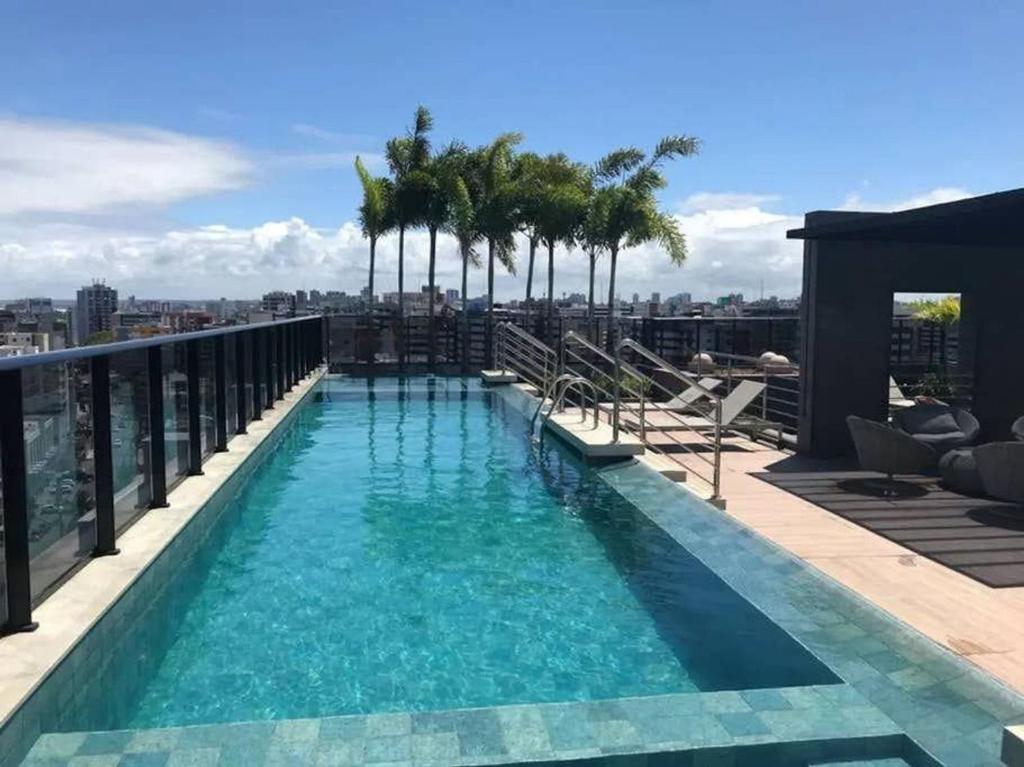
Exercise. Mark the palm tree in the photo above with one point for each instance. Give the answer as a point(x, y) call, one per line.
point(496, 216)
point(591, 229)
point(375, 216)
point(630, 214)
point(407, 157)
point(563, 201)
point(463, 184)
point(528, 170)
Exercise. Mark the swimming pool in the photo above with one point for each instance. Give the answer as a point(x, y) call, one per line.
point(408, 547)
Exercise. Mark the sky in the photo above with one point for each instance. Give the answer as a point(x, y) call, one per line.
point(199, 150)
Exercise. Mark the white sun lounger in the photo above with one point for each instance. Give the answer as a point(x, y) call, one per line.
point(685, 399)
point(897, 398)
point(732, 406)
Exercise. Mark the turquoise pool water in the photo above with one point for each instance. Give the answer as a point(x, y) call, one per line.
point(409, 548)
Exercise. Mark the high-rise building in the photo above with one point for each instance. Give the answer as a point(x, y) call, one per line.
point(301, 301)
point(655, 298)
point(451, 296)
point(94, 309)
point(280, 303)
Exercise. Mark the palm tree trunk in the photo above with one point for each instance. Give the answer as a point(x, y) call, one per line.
point(370, 335)
point(551, 293)
point(431, 330)
point(529, 282)
point(400, 336)
point(590, 298)
point(489, 352)
point(611, 301)
point(465, 310)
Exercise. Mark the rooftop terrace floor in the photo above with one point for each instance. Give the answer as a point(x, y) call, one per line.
point(982, 624)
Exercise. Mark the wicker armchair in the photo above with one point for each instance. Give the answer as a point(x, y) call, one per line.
point(888, 451)
point(941, 427)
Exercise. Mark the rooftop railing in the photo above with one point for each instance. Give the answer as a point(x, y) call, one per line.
point(91, 438)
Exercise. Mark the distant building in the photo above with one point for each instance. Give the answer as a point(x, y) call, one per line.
point(94, 310)
point(301, 302)
point(451, 296)
point(279, 303)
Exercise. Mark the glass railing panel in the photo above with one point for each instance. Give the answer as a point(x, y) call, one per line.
point(175, 393)
point(130, 436)
point(207, 399)
point(61, 498)
point(3, 558)
point(230, 383)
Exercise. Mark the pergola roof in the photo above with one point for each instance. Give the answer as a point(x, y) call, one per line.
point(995, 220)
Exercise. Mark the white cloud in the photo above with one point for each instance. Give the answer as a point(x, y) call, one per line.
point(934, 197)
point(48, 166)
point(327, 160)
point(724, 201)
point(323, 134)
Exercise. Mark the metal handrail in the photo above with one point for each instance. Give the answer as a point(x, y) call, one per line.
point(560, 399)
point(548, 393)
point(519, 351)
point(716, 405)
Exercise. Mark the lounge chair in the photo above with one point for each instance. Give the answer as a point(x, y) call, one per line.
point(1017, 429)
point(897, 399)
point(686, 398)
point(1001, 468)
point(887, 450)
point(733, 406)
point(941, 427)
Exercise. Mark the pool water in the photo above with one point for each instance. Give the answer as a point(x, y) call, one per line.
point(407, 546)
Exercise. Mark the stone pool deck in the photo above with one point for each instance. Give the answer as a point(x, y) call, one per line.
point(790, 726)
point(981, 624)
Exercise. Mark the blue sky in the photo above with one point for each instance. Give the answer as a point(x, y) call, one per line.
point(249, 115)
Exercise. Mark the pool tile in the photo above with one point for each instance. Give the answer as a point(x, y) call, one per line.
point(62, 744)
point(743, 724)
point(297, 730)
point(206, 756)
point(568, 728)
point(382, 725)
point(387, 749)
point(338, 753)
point(480, 734)
point(766, 700)
point(725, 703)
point(523, 730)
point(441, 748)
point(342, 727)
point(104, 743)
point(615, 732)
point(94, 760)
point(144, 759)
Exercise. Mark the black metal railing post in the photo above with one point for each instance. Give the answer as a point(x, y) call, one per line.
point(255, 338)
point(195, 445)
point(282, 359)
point(240, 398)
point(157, 447)
point(15, 511)
point(268, 368)
point(220, 394)
point(286, 339)
point(103, 456)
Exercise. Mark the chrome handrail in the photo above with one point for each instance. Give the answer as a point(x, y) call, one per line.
point(568, 382)
point(548, 393)
point(715, 400)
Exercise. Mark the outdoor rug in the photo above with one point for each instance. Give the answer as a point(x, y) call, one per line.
point(979, 537)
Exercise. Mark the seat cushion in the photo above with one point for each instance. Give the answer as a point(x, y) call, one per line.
point(928, 419)
point(951, 437)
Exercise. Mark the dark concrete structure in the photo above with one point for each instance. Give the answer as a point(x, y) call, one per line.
point(855, 262)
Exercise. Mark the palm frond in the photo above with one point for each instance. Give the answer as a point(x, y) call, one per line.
point(615, 164)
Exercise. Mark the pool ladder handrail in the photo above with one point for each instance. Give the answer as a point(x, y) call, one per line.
point(558, 390)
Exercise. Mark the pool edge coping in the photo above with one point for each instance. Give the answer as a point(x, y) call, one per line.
point(68, 615)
